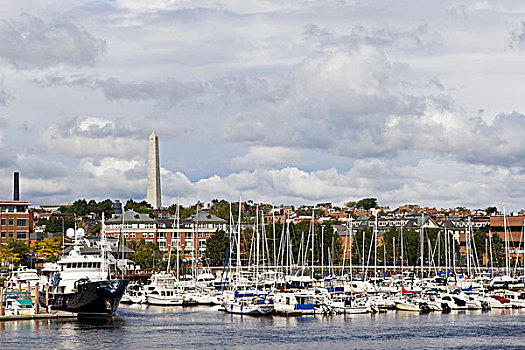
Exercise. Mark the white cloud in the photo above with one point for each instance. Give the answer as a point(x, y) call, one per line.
point(265, 157)
point(382, 105)
point(30, 42)
point(90, 137)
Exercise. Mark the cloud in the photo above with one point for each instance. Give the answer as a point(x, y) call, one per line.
point(29, 43)
point(82, 137)
point(517, 37)
point(420, 38)
point(265, 157)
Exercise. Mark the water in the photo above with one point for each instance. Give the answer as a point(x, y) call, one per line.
point(151, 327)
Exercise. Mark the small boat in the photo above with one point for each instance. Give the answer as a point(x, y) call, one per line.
point(350, 304)
point(256, 306)
point(294, 303)
point(18, 303)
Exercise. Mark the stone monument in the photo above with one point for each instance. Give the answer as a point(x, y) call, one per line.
point(153, 195)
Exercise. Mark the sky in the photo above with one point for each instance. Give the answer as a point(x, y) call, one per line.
point(277, 101)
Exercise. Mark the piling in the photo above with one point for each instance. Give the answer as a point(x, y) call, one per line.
point(37, 301)
point(1, 301)
point(47, 297)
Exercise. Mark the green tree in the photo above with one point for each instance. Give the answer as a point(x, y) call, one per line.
point(491, 210)
point(140, 207)
point(216, 248)
point(222, 209)
point(367, 203)
point(54, 224)
point(15, 251)
point(498, 250)
point(146, 253)
point(94, 230)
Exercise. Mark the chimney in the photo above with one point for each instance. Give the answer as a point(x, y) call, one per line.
point(16, 189)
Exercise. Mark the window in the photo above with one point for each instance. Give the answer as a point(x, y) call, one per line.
point(188, 235)
point(11, 222)
point(200, 234)
point(3, 222)
point(125, 235)
point(21, 234)
point(11, 233)
point(21, 222)
point(132, 235)
point(3, 234)
point(11, 208)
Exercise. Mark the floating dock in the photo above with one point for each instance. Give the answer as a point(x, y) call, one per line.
point(43, 316)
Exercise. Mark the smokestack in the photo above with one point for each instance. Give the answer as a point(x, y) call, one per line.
point(16, 187)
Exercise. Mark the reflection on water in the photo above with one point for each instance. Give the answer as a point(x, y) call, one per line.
point(142, 327)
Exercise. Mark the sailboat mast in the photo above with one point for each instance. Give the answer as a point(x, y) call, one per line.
point(506, 243)
point(313, 241)
point(177, 240)
point(322, 251)
point(239, 241)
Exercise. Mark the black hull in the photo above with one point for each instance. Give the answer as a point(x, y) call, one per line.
point(91, 299)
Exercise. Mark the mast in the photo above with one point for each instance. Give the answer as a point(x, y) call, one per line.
point(103, 246)
point(421, 245)
point(322, 251)
point(313, 240)
point(239, 241)
point(402, 242)
point(506, 243)
point(351, 235)
point(274, 241)
point(257, 238)
point(375, 250)
point(177, 240)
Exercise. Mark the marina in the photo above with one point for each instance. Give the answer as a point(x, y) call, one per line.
point(199, 327)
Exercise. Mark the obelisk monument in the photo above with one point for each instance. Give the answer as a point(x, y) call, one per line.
point(153, 196)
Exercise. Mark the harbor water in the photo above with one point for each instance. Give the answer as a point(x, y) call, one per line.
point(151, 327)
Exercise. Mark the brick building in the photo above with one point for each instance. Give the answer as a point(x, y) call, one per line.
point(190, 238)
point(16, 221)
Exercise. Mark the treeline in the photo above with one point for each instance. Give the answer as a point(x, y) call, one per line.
point(300, 243)
point(82, 207)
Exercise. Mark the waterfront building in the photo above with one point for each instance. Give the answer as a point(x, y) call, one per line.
point(16, 221)
point(514, 226)
point(190, 238)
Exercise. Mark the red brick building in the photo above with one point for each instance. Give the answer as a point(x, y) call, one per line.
point(16, 221)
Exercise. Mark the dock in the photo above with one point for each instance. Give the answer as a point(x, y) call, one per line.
point(42, 316)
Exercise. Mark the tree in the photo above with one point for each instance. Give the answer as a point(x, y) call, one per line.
point(351, 204)
point(184, 212)
point(54, 224)
point(15, 251)
point(498, 250)
point(367, 203)
point(140, 207)
point(222, 209)
point(81, 207)
point(491, 210)
point(94, 230)
point(146, 253)
point(48, 248)
point(216, 248)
